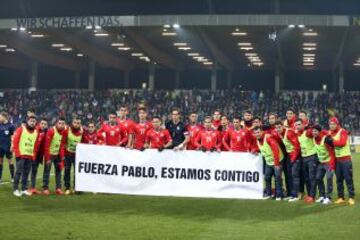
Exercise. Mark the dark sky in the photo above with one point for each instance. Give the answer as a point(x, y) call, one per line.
point(38, 8)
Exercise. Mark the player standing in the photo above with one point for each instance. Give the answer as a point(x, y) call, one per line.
point(113, 133)
point(72, 137)
point(127, 126)
point(177, 130)
point(236, 139)
point(6, 131)
point(193, 128)
point(90, 135)
point(25, 145)
point(309, 157)
point(208, 139)
point(216, 119)
point(271, 152)
point(42, 130)
point(290, 118)
point(344, 169)
point(292, 146)
point(140, 130)
point(54, 154)
point(158, 138)
point(326, 167)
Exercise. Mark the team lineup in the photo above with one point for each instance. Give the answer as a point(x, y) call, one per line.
point(300, 156)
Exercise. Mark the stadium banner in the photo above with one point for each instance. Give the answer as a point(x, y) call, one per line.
point(106, 169)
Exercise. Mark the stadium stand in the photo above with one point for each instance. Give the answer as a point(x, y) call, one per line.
point(96, 105)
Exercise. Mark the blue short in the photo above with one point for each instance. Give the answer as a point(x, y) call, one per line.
point(5, 153)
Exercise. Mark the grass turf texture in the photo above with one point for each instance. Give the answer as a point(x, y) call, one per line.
point(90, 216)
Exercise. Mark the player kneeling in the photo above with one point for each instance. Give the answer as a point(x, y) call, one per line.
point(271, 151)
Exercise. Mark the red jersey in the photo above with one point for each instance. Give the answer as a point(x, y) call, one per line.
point(253, 147)
point(113, 135)
point(236, 140)
point(193, 131)
point(216, 124)
point(91, 138)
point(157, 139)
point(128, 124)
point(42, 137)
point(140, 130)
point(208, 139)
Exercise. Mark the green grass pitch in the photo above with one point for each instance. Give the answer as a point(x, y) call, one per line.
point(90, 216)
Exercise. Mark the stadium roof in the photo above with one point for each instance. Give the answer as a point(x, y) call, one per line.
point(183, 42)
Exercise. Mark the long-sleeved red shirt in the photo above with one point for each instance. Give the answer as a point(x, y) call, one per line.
point(209, 139)
point(253, 147)
point(236, 140)
point(114, 135)
point(329, 148)
point(275, 148)
point(127, 126)
point(308, 133)
point(42, 138)
point(341, 142)
point(290, 123)
point(49, 137)
point(16, 144)
point(193, 131)
point(293, 139)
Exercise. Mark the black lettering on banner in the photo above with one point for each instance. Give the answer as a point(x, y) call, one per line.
point(81, 166)
point(164, 172)
point(236, 176)
point(101, 167)
point(98, 168)
point(186, 173)
point(124, 169)
point(94, 168)
point(207, 174)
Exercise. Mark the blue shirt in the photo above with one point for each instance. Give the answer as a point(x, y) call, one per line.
point(6, 131)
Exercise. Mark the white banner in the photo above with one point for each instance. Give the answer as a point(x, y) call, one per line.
point(108, 169)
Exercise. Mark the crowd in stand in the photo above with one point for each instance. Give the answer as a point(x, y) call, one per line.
point(96, 105)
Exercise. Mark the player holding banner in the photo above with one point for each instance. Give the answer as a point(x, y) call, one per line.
point(158, 138)
point(208, 139)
